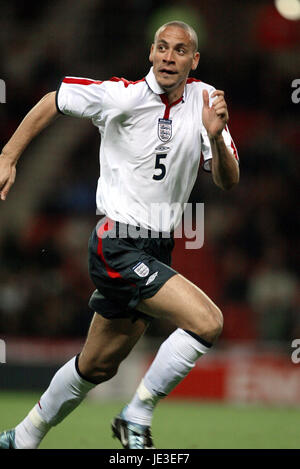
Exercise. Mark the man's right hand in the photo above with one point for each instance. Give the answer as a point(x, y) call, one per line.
point(44, 112)
point(7, 175)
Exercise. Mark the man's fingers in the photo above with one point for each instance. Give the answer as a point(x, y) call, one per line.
point(218, 100)
point(217, 93)
point(3, 195)
point(220, 106)
point(6, 188)
point(13, 175)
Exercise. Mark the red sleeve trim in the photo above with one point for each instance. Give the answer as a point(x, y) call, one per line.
point(192, 80)
point(234, 150)
point(86, 81)
point(126, 82)
point(81, 81)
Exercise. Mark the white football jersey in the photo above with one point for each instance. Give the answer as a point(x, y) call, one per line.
point(150, 151)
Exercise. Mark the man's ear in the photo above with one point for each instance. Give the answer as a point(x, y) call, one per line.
point(196, 60)
point(151, 53)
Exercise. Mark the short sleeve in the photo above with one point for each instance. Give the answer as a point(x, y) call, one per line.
point(80, 97)
point(206, 154)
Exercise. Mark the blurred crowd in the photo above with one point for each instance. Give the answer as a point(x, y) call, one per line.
point(249, 262)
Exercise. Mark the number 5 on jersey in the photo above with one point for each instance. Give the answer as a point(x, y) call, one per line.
point(160, 166)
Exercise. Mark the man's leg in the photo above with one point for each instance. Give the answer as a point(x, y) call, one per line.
point(186, 306)
point(199, 323)
point(107, 344)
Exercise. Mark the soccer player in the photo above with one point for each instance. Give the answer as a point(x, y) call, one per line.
point(153, 133)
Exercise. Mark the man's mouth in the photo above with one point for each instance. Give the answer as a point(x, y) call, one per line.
point(167, 71)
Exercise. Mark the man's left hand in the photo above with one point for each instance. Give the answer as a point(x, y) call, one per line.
point(215, 117)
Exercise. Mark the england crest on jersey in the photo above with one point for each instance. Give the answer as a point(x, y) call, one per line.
point(164, 129)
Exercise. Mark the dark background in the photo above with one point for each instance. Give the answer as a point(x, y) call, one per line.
point(249, 262)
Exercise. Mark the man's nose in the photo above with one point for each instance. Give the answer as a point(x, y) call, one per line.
point(169, 56)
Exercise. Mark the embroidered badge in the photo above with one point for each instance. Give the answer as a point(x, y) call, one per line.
point(164, 129)
point(141, 269)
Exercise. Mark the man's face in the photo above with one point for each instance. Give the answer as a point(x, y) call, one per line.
point(173, 56)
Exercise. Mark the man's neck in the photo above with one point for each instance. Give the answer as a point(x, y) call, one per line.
point(174, 95)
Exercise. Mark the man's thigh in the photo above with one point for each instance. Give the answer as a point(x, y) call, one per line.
point(184, 304)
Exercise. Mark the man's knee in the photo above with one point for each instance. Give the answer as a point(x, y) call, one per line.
point(217, 322)
point(96, 371)
point(209, 323)
point(104, 373)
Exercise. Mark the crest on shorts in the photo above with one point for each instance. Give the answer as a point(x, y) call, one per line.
point(164, 129)
point(141, 269)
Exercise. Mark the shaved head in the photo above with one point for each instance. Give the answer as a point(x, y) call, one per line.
point(182, 25)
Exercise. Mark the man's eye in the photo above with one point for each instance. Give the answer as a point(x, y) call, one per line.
point(181, 51)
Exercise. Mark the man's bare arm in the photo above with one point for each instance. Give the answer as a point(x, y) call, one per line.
point(40, 116)
point(225, 168)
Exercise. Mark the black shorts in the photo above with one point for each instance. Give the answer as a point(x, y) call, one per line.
point(126, 266)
